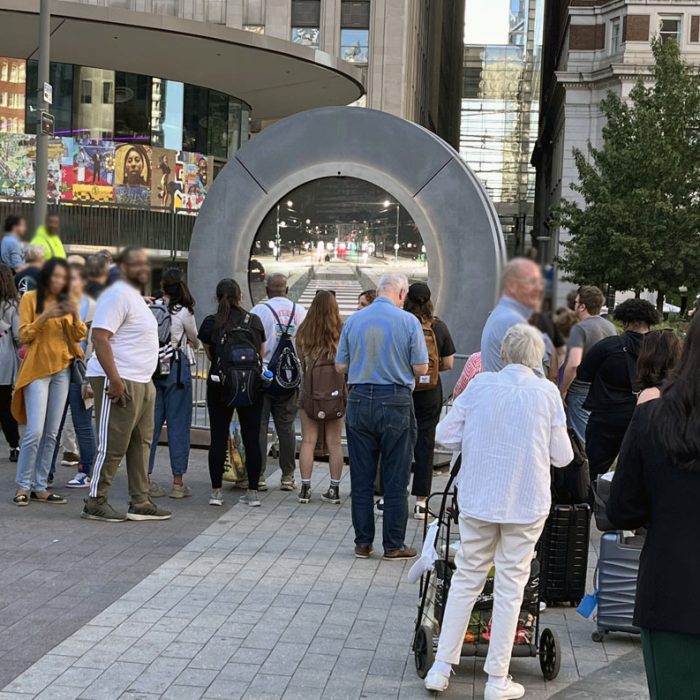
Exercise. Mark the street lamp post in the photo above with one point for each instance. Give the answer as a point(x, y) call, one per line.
point(280, 224)
point(396, 243)
point(41, 181)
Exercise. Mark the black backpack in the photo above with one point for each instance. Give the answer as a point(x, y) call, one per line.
point(284, 363)
point(238, 365)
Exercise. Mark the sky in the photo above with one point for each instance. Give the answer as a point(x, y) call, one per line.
point(486, 22)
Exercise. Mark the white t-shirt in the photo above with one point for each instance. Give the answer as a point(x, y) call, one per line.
point(283, 308)
point(122, 311)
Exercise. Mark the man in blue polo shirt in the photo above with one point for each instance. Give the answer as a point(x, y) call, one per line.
point(523, 289)
point(382, 349)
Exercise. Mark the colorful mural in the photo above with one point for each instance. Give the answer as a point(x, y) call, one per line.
point(87, 170)
point(17, 155)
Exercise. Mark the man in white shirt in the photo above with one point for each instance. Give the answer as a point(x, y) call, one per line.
point(510, 426)
point(125, 340)
point(276, 315)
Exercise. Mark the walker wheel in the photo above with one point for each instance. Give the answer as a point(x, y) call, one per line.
point(423, 650)
point(598, 636)
point(550, 654)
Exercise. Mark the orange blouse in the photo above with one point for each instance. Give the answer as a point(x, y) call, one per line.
point(47, 346)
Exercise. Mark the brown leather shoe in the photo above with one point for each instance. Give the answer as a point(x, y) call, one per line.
point(362, 551)
point(402, 553)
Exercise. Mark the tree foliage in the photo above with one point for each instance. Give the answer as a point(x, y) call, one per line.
point(639, 224)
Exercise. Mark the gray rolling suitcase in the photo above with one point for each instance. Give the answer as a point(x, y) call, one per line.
point(617, 583)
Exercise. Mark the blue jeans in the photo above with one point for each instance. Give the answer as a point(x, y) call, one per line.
point(380, 422)
point(174, 406)
point(45, 401)
point(576, 414)
point(84, 430)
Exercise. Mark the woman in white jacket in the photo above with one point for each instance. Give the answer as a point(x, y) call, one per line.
point(9, 345)
point(510, 427)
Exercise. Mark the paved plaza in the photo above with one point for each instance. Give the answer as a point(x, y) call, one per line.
point(258, 604)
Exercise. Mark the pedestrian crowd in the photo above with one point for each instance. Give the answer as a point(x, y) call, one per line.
point(86, 351)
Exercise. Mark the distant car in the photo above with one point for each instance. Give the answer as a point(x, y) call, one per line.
point(256, 272)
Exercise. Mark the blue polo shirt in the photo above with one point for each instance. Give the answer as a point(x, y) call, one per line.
point(381, 343)
point(508, 313)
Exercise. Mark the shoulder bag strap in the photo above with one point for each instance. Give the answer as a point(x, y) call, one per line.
point(291, 318)
point(274, 313)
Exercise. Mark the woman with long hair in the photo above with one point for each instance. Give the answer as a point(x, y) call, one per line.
point(51, 329)
point(137, 168)
point(9, 346)
point(317, 341)
point(174, 390)
point(658, 356)
point(232, 318)
point(427, 403)
point(657, 486)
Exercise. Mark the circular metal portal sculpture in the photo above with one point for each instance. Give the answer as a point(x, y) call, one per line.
point(455, 218)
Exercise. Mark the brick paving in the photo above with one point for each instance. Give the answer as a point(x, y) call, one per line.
point(259, 604)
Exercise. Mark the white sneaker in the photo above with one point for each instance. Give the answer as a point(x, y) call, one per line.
point(216, 498)
point(512, 691)
point(436, 681)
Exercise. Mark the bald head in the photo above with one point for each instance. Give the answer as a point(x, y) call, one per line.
point(276, 285)
point(522, 281)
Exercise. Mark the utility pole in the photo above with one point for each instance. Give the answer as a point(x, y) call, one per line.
point(42, 139)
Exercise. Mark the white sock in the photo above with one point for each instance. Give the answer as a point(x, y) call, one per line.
point(442, 667)
point(498, 681)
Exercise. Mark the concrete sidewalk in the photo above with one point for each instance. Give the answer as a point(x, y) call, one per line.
point(259, 604)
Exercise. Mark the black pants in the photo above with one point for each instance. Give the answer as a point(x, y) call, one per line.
point(427, 406)
point(603, 443)
point(220, 417)
point(8, 423)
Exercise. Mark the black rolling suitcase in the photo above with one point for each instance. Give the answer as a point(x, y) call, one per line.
point(563, 554)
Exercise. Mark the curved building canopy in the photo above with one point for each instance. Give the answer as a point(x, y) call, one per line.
point(275, 77)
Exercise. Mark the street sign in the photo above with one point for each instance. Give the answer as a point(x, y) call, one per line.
point(47, 123)
point(48, 93)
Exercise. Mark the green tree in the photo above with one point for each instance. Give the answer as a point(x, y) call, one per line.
point(639, 224)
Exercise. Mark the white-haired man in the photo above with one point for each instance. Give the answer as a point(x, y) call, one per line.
point(522, 287)
point(510, 426)
point(382, 349)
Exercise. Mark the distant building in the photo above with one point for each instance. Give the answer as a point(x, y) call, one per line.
point(592, 47)
point(500, 107)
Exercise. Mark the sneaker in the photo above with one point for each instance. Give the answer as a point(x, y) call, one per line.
point(288, 483)
point(262, 485)
point(79, 481)
point(155, 490)
point(420, 512)
point(49, 481)
point(436, 681)
point(363, 551)
point(216, 498)
point(147, 511)
point(511, 691)
point(70, 459)
point(99, 509)
point(401, 553)
point(379, 505)
point(250, 498)
point(305, 493)
point(180, 491)
point(14, 454)
point(332, 495)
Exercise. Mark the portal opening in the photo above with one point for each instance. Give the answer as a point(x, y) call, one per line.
point(335, 233)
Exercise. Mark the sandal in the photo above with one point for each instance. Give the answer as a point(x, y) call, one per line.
point(50, 498)
point(21, 499)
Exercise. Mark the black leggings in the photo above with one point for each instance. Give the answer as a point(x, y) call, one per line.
point(603, 442)
point(427, 405)
point(8, 423)
point(220, 417)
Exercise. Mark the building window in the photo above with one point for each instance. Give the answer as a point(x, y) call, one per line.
point(306, 22)
point(4, 71)
point(166, 113)
point(86, 92)
point(354, 31)
point(670, 28)
point(615, 36)
point(254, 28)
point(132, 104)
point(107, 92)
point(195, 134)
point(61, 78)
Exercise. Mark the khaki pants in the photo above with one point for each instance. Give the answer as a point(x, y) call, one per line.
point(510, 549)
point(123, 431)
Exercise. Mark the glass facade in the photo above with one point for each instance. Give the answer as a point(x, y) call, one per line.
point(103, 104)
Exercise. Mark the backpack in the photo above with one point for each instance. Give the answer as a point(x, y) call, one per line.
point(325, 395)
point(238, 365)
point(284, 363)
point(165, 348)
point(432, 378)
